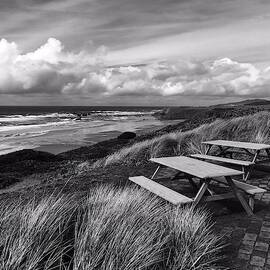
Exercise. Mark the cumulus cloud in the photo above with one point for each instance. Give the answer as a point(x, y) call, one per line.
point(53, 70)
point(49, 69)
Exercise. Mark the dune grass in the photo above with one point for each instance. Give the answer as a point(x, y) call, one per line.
point(250, 128)
point(113, 228)
point(33, 236)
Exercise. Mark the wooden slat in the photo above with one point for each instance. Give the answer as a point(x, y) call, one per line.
point(225, 160)
point(195, 167)
point(236, 144)
point(249, 189)
point(161, 191)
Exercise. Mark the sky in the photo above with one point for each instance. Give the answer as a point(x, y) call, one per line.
point(127, 52)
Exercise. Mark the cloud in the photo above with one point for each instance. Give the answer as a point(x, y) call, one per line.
point(222, 77)
point(47, 70)
point(52, 70)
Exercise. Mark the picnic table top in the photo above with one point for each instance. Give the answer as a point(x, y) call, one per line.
point(244, 145)
point(195, 167)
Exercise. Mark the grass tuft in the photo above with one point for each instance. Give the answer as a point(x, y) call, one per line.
point(113, 228)
point(34, 236)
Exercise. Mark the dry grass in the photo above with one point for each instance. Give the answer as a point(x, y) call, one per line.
point(33, 236)
point(250, 128)
point(113, 228)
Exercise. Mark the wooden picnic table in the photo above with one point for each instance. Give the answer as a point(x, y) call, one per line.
point(236, 144)
point(229, 148)
point(190, 168)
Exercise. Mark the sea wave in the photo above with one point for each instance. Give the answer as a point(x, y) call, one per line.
point(22, 127)
point(42, 119)
point(25, 134)
point(123, 113)
point(26, 118)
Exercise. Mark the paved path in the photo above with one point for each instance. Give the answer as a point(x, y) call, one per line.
point(248, 238)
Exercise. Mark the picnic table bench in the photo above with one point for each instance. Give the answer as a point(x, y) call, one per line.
point(191, 168)
point(229, 148)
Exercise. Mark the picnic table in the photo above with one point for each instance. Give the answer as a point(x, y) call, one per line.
point(231, 148)
point(190, 168)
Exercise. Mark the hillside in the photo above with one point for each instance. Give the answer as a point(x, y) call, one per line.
point(234, 109)
point(248, 102)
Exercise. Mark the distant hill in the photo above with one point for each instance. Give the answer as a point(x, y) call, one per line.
point(248, 102)
point(233, 109)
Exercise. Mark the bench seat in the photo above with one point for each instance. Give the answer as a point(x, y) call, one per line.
point(161, 191)
point(249, 189)
point(222, 159)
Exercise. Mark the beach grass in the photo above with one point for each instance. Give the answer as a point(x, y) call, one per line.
point(112, 228)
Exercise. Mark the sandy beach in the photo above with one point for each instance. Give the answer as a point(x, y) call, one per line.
point(58, 131)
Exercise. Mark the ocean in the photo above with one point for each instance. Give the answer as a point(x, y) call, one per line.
point(59, 129)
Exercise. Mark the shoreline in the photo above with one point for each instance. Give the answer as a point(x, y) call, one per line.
point(94, 138)
point(58, 129)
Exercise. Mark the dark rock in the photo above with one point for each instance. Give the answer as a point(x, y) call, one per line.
point(126, 136)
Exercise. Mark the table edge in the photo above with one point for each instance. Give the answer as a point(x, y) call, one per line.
point(262, 148)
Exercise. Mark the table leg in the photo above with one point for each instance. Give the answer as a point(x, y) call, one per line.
point(251, 202)
point(239, 196)
point(209, 146)
point(255, 156)
point(156, 171)
point(249, 169)
point(222, 151)
point(268, 153)
point(201, 191)
point(244, 170)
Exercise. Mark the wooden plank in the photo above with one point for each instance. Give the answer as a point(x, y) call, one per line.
point(225, 160)
point(236, 144)
point(195, 167)
point(249, 189)
point(161, 191)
